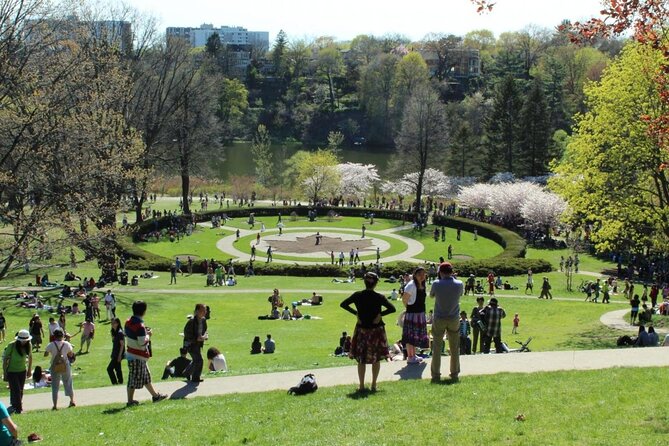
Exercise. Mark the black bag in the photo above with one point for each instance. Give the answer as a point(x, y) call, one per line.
point(307, 385)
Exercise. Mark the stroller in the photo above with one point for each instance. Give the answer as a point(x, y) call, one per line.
point(523, 346)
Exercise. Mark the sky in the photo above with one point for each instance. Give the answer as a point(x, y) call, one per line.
point(345, 19)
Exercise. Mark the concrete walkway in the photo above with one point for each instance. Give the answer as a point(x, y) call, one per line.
point(347, 375)
point(226, 244)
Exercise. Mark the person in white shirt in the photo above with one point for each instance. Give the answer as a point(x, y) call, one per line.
point(217, 361)
point(285, 315)
point(56, 349)
point(110, 305)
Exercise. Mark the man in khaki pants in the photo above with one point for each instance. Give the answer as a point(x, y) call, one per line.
point(446, 292)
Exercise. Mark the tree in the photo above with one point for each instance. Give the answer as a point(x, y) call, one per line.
point(262, 156)
point(330, 65)
point(543, 211)
point(375, 91)
point(423, 136)
point(442, 47)
point(318, 174)
point(232, 106)
point(279, 54)
point(411, 73)
point(502, 127)
point(162, 78)
point(610, 173)
point(63, 102)
point(356, 180)
point(535, 132)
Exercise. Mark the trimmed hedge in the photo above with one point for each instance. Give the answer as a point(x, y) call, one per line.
point(286, 211)
point(509, 263)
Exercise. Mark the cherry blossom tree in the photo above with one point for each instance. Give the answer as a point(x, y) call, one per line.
point(476, 196)
point(543, 210)
point(357, 179)
point(435, 184)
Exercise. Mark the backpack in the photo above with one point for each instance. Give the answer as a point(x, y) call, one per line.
point(59, 364)
point(306, 385)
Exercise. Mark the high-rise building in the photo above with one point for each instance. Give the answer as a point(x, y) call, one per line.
point(229, 35)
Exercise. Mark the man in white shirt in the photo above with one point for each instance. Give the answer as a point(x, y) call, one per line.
point(110, 305)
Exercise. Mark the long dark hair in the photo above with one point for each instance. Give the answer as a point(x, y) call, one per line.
point(23, 348)
point(113, 332)
point(415, 280)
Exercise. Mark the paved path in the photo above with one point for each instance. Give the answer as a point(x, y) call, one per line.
point(346, 375)
point(226, 244)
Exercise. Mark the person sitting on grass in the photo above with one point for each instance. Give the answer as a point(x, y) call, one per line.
point(256, 346)
point(270, 345)
point(285, 314)
point(176, 368)
point(217, 361)
point(653, 338)
point(316, 299)
point(211, 280)
point(41, 378)
point(297, 314)
point(642, 340)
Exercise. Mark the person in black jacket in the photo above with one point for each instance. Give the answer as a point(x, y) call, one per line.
point(195, 333)
point(369, 344)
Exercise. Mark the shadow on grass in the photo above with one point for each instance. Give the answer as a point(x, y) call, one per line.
point(184, 391)
point(445, 382)
point(114, 411)
point(593, 339)
point(412, 371)
point(362, 394)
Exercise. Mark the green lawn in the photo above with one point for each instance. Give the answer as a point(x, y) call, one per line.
point(465, 249)
point(321, 222)
point(201, 244)
point(301, 344)
point(600, 407)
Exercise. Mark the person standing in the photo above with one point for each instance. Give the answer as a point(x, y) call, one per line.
point(364, 229)
point(14, 368)
point(195, 333)
point(369, 344)
point(516, 323)
point(491, 283)
point(446, 291)
point(530, 282)
point(114, 369)
point(492, 316)
point(61, 353)
point(414, 329)
point(605, 292)
point(475, 321)
point(545, 289)
point(269, 254)
point(173, 274)
point(36, 331)
point(138, 352)
point(110, 305)
point(87, 334)
point(3, 326)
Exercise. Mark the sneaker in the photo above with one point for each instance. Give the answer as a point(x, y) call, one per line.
point(159, 397)
point(435, 380)
point(132, 403)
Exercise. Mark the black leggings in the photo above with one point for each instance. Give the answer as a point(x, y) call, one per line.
point(115, 372)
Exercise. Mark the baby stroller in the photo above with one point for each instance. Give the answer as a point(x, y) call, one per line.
point(523, 347)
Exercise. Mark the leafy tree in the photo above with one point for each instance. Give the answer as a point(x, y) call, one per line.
point(330, 65)
point(262, 156)
point(375, 91)
point(610, 172)
point(316, 173)
point(279, 54)
point(442, 47)
point(423, 136)
point(535, 132)
point(232, 107)
point(502, 127)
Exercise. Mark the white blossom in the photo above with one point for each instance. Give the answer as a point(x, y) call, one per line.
point(543, 209)
point(435, 184)
point(507, 199)
point(502, 177)
point(476, 196)
point(356, 178)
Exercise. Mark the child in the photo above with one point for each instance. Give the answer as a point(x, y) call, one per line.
point(516, 322)
point(465, 329)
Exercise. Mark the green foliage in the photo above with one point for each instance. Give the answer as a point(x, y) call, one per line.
point(503, 127)
point(610, 173)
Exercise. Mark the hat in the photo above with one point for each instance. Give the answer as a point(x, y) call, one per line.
point(493, 300)
point(371, 277)
point(58, 332)
point(445, 267)
point(23, 335)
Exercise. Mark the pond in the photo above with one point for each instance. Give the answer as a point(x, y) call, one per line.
point(237, 158)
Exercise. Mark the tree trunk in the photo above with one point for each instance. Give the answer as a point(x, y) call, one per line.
point(185, 189)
